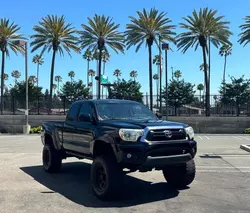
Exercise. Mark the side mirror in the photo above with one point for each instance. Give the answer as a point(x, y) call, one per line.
point(158, 115)
point(85, 118)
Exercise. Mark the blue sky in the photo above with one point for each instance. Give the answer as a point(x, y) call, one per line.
point(28, 13)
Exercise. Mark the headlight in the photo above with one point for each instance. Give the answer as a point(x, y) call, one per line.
point(130, 134)
point(189, 130)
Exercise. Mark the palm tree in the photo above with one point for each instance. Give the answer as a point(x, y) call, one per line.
point(5, 76)
point(245, 28)
point(225, 51)
point(54, 88)
point(133, 74)
point(53, 33)
point(156, 78)
point(200, 87)
point(177, 74)
point(101, 32)
point(105, 58)
point(89, 57)
point(146, 28)
point(32, 79)
point(91, 73)
point(37, 59)
point(15, 74)
point(8, 41)
point(58, 79)
point(117, 73)
point(71, 74)
point(201, 28)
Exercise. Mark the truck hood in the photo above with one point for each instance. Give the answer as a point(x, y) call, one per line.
point(141, 124)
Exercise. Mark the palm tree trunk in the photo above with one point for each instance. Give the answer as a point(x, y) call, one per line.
point(51, 78)
point(37, 74)
point(150, 76)
point(224, 72)
point(103, 73)
point(88, 73)
point(92, 86)
point(206, 81)
point(2, 81)
point(58, 87)
point(99, 74)
point(200, 95)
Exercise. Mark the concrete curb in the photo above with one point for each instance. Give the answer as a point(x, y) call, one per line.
point(245, 147)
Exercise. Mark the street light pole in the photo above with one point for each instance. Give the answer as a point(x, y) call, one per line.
point(166, 47)
point(26, 127)
point(27, 89)
point(160, 74)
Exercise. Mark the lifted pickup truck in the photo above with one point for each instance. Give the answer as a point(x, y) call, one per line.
point(119, 135)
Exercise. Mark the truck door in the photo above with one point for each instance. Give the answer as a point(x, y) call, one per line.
point(69, 126)
point(83, 134)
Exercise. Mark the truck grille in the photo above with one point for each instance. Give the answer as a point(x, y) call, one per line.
point(166, 134)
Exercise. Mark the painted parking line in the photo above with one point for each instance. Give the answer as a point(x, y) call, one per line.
point(245, 138)
point(200, 137)
point(204, 137)
point(237, 137)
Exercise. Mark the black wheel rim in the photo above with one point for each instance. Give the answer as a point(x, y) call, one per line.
point(46, 158)
point(100, 179)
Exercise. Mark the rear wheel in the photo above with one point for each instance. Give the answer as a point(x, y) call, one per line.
point(106, 177)
point(52, 159)
point(180, 176)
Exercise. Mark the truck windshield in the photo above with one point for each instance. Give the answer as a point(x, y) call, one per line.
point(128, 111)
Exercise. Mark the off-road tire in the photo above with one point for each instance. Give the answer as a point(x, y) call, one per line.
point(180, 176)
point(52, 160)
point(106, 177)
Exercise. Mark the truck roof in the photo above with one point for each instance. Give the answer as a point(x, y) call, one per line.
point(106, 101)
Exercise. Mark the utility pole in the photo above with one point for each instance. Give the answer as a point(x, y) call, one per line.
point(166, 48)
point(160, 73)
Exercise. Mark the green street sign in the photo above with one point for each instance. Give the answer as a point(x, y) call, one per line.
point(104, 79)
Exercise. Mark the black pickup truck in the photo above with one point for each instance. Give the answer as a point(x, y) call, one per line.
point(120, 136)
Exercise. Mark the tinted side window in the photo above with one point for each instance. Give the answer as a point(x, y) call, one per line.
point(86, 109)
point(72, 114)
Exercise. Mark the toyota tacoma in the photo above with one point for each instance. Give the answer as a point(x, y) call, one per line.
point(119, 136)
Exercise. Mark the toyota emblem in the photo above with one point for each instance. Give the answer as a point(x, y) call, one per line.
point(168, 133)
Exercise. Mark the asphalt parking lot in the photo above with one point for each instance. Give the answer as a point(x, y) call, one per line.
point(222, 183)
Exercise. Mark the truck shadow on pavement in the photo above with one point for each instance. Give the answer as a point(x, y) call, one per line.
point(73, 182)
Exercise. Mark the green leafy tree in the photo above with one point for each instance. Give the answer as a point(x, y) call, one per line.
point(225, 51)
point(8, 42)
point(179, 93)
point(37, 59)
point(34, 93)
point(32, 79)
point(133, 74)
point(100, 33)
point(117, 73)
point(146, 28)
point(71, 74)
point(74, 91)
point(54, 33)
point(16, 75)
point(89, 57)
point(58, 79)
point(128, 90)
point(236, 93)
point(202, 28)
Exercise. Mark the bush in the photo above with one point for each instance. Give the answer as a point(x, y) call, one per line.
point(35, 130)
point(247, 131)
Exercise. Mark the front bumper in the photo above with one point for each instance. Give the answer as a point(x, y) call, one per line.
point(145, 156)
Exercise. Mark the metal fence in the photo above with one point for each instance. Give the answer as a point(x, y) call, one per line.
point(60, 105)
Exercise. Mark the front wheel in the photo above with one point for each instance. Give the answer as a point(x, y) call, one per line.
point(180, 176)
point(52, 160)
point(106, 177)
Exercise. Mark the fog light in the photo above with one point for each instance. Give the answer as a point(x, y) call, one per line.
point(129, 155)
